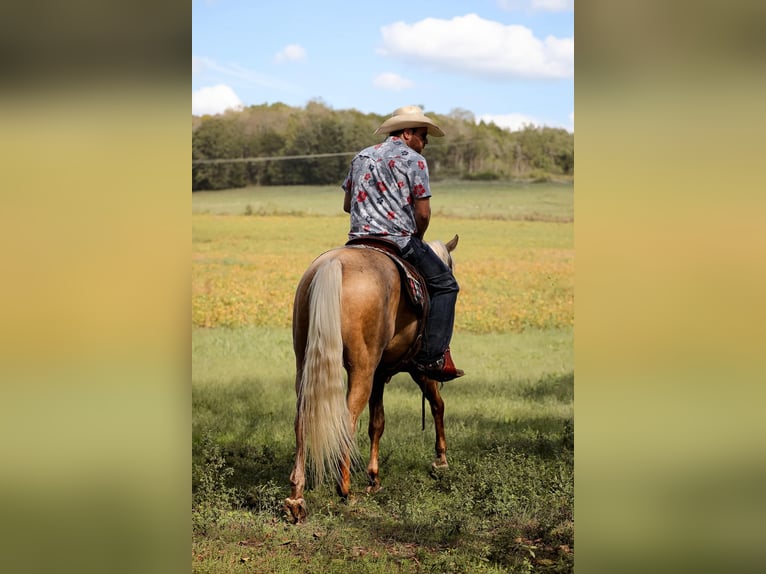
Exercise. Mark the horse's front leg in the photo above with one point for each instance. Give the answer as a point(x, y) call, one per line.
point(430, 389)
point(375, 430)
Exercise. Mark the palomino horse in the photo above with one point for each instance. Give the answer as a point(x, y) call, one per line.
point(350, 312)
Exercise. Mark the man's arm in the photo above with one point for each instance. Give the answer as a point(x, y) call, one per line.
point(422, 210)
point(347, 202)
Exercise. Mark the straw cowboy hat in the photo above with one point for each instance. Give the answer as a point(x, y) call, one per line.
point(409, 117)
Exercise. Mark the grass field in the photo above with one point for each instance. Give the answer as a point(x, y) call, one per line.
point(506, 502)
point(484, 200)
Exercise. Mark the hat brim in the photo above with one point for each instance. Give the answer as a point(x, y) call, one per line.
point(395, 123)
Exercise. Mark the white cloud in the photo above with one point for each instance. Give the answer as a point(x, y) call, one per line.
point(553, 5)
point(214, 100)
point(511, 122)
point(197, 65)
point(291, 53)
point(537, 5)
point(515, 122)
point(391, 81)
point(478, 47)
point(212, 71)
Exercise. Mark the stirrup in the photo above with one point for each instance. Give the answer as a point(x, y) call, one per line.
point(442, 370)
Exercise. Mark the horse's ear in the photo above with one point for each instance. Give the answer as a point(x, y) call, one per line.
point(452, 243)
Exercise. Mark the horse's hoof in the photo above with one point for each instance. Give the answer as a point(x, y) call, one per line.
point(341, 494)
point(296, 509)
point(373, 488)
point(439, 464)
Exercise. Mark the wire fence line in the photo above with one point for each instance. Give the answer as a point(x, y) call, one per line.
point(273, 158)
point(286, 157)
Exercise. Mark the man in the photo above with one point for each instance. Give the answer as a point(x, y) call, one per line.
point(388, 196)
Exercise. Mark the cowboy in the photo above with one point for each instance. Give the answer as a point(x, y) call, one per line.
point(387, 194)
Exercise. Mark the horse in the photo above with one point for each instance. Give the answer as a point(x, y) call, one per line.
point(351, 313)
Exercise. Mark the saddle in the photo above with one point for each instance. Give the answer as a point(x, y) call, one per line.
point(412, 283)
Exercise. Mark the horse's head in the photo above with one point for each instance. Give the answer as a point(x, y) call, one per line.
point(443, 250)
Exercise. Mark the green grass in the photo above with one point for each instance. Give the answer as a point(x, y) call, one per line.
point(482, 200)
point(506, 502)
point(507, 496)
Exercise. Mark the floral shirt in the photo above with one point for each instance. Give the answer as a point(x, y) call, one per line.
point(384, 181)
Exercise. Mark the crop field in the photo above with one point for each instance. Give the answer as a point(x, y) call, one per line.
point(506, 502)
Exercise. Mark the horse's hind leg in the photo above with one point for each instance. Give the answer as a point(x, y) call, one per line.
point(295, 505)
point(430, 389)
point(359, 388)
point(375, 431)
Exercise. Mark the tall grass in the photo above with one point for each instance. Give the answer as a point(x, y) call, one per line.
point(506, 502)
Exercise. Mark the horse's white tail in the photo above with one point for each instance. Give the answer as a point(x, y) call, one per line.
point(322, 405)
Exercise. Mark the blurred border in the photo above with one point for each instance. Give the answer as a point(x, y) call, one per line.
point(95, 406)
point(94, 356)
point(668, 309)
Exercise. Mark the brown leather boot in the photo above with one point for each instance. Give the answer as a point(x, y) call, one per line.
point(443, 370)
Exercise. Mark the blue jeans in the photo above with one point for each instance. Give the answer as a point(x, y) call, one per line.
point(442, 290)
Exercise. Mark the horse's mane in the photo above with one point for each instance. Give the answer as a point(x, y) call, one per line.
point(441, 250)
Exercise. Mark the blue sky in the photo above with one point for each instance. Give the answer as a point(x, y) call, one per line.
point(507, 61)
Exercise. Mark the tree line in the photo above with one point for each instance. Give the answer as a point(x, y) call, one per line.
point(276, 144)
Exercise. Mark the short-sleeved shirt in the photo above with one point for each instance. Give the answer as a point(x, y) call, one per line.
point(384, 181)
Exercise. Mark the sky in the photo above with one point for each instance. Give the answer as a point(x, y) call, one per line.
point(510, 62)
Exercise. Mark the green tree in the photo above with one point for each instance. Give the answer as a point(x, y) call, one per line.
point(471, 150)
point(266, 142)
point(315, 132)
point(218, 138)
